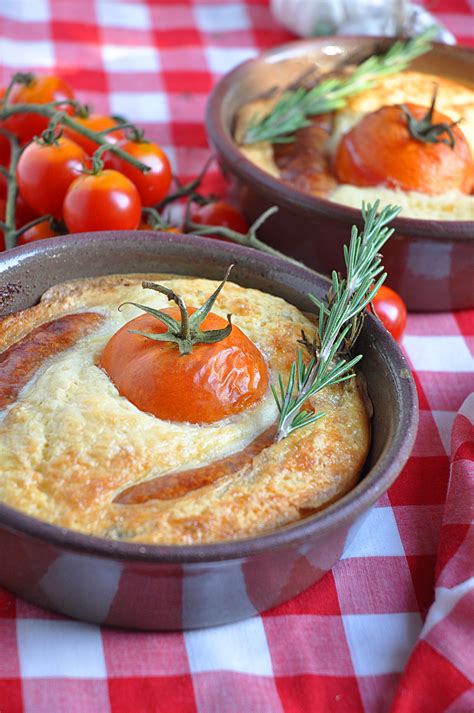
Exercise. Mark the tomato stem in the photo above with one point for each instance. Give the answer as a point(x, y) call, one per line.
point(31, 224)
point(424, 130)
point(249, 239)
point(9, 230)
point(188, 189)
point(49, 111)
point(187, 332)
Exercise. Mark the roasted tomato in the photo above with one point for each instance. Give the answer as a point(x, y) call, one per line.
point(102, 201)
point(94, 122)
point(41, 90)
point(45, 172)
point(152, 185)
point(219, 213)
point(37, 232)
point(212, 382)
point(380, 150)
point(391, 310)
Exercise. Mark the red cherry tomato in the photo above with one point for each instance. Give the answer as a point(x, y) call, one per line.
point(103, 201)
point(41, 90)
point(45, 172)
point(219, 213)
point(153, 185)
point(37, 232)
point(391, 311)
point(94, 122)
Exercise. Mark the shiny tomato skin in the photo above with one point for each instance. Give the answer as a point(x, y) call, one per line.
point(379, 151)
point(391, 310)
point(104, 201)
point(213, 382)
point(94, 122)
point(219, 213)
point(45, 172)
point(37, 232)
point(42, 90)
point(152, 185)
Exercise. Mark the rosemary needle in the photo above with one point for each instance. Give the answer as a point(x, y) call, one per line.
point(340, 320)
point(293, 110)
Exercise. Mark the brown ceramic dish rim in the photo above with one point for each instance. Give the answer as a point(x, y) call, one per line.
point(360, 498)
point(221, 137)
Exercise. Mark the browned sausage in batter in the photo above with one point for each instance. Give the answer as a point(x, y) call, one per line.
point(19, 362)
point(303, 162)
point(168, 487)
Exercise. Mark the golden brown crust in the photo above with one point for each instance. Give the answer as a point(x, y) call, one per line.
point(70, 444)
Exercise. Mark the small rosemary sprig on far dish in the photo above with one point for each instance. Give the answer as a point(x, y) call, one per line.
point(294, 108)
point(340, 320)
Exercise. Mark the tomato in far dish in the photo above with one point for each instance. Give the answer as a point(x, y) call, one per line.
point(381, 150)
point(152, 185)
point(219, 213)
point(106, 200)
point(391, 310)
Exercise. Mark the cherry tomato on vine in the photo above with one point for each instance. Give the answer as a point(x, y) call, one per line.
point(94, 122)
point(391, 311)
point(41, 90)
point(152, 185)
point(106, 200)
point(45, 172)
point(219, 213)
point(37, 232)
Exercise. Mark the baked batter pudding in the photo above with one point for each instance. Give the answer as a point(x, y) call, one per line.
point(94, 439)
point(367, 150)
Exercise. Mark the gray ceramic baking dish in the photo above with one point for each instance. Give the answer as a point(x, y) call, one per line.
point(170, 587)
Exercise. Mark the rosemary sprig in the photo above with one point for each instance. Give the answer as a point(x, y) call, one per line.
point(339, 316)
point(293, 110)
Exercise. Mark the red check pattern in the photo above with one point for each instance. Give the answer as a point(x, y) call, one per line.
point(388, 628)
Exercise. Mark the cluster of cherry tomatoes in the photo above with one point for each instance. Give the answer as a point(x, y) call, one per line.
point(56, 177)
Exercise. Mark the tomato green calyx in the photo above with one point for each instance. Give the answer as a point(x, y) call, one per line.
point(134, 133)
point(50, 136)
point(424, 130)
point(187, 332)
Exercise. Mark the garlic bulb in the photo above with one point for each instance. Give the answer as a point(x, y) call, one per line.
point(308, 18)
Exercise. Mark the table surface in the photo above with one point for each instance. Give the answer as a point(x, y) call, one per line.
point(365, 636)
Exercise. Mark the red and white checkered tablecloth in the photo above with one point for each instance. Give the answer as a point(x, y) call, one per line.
point(367, 637)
